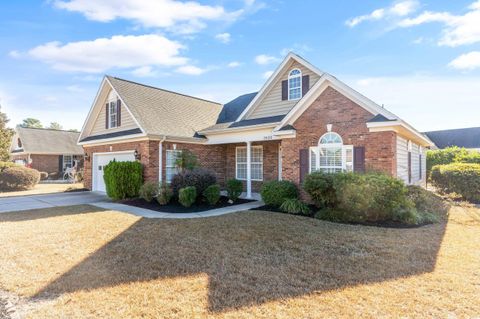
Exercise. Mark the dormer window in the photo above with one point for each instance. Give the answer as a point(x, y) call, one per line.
point(295, 84)
point(112, 114)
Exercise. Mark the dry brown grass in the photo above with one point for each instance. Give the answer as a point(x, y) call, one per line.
point(81, 262)
point(44, 189)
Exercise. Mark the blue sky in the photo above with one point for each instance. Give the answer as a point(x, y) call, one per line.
point(421, 59)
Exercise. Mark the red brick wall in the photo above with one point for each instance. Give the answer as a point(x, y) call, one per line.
point(42, 163)
point(270, 162)
point(349, 120)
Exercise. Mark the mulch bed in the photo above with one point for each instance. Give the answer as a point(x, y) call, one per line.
point(313, 209)
point(176, 207)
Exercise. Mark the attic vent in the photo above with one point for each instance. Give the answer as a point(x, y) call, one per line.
point(19, 142)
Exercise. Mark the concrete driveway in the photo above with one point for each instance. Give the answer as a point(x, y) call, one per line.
point(9, 204)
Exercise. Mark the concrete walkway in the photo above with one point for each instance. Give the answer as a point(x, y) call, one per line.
point(148, 213)
point(19, 203)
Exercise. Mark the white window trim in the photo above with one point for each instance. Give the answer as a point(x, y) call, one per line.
point(251, 163)
point(288, 81)
point(111, 114)
point(63, 161)
point(174, 165)
point(343, 147)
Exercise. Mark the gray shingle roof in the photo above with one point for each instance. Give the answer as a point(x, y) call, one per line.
point(379, 118)
point(162, 112)
point(463, 137)
point(47, 141)
point(232, 110)
point(244, 123)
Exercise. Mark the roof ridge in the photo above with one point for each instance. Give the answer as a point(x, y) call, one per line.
point(46, 129)
point(165, 90)
point(454, 129)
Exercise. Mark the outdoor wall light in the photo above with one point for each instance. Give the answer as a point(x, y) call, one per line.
point(86, 157)
point(137, 155)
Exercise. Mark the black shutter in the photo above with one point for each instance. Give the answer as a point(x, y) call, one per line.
point(119, 112)
point(359, 159)
point(284, 90)
point(420, 166)
point(409, 167)
point(60, 163)
point(305, 84)
point(303, 164)
point(106, 116)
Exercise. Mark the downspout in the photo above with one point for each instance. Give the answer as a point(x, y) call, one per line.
point(160, 159)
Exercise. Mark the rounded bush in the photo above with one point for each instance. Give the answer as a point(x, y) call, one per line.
point(234, 189)
point(123, 179)
point(4, 165)
point(43, 176)
point(187, 196)
point(199, 178)
point(274, 193)
point(319, 186)
point(18, 178)
point(148, 191)
point(295, 206)
point(460, 178)
point(212, 194)
point(165, 194)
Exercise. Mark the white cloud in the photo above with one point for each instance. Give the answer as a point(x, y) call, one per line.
point(426, 102)
point(107, 53)
point(467, 61)
point(179, 16)
point(144, 71)
point(191, 70)
point(458, 29)
point(14, 54)
point(397, 9)
point(234, 64)
point(75, 88)
point(264, 59)
point(267, 74)
point(223, 37)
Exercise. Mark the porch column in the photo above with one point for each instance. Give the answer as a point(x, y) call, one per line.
point(249, 169)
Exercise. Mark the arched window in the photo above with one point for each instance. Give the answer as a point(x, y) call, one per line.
point(331, 156)
point(295, 84)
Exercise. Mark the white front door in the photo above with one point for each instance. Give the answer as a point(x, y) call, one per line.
point(100, 161)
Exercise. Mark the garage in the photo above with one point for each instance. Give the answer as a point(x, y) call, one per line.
point(100, 160)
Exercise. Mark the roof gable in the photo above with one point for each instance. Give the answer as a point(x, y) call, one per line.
point(272, 85)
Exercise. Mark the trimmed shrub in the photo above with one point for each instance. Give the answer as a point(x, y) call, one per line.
point(43, 176)
point(18, 178)
point(430, 207)
point(199, 178)
point(212, 194)
point(319, 186)
point(460, 178)
point(274, 193)
point(123, 179)
point(165, 194)
point(4, 165)
point(295, 206)
point(450, 155)
point(187, 196)
point(234, 189)
point(148, 191)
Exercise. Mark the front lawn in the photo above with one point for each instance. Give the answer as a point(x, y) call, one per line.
point(82, 261)
point(49, 188)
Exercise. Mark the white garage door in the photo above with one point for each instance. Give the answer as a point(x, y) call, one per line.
point(100, 161)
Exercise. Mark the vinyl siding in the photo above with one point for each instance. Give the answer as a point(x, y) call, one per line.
point(402, 159)
point(271, 104)
point(127, 122)
point(402, 162)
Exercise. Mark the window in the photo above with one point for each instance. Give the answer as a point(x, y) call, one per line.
point(331, 156)
point(67, 161)
point(295, 84)
point(112, 113)
point(256, 163)
point(171, 166)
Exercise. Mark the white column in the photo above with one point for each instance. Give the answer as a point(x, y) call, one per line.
point(160, 161)
point(249, 169)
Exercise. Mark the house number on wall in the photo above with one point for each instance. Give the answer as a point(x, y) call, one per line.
point(269, 137)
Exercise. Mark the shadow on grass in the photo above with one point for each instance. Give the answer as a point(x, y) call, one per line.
point(255, 257)
point(42, 213)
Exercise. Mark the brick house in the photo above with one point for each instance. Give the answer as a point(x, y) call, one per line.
point(301, 120)
point(46, 150)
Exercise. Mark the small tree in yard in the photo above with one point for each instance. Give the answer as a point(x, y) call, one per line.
point(186, 161)
point(123, 179)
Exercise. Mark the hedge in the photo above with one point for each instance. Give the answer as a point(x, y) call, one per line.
point(274, 193)
point(450, 155)
point(18, 178)
point(123, 179)
point(460, 178)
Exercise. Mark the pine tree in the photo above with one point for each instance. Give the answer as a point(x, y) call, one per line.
point(31, 123)
point(5, 137)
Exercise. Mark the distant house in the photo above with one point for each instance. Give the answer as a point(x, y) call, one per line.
point(46, 150)
point(462, 137)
